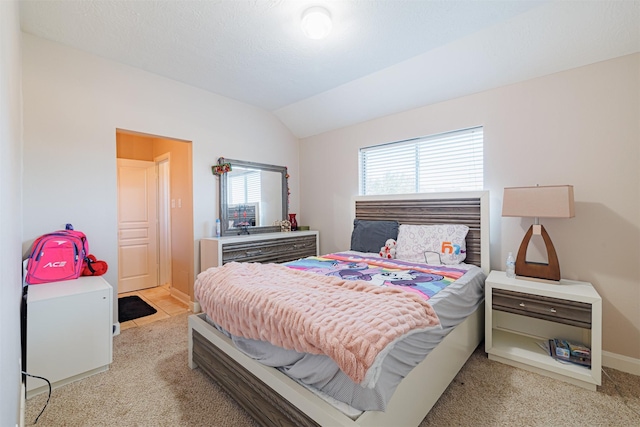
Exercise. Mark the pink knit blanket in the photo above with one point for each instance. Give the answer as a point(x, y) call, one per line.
point(353, 322)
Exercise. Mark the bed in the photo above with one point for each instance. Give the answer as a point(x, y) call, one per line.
point(273, 398)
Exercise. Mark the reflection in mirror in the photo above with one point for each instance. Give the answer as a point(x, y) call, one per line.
point(253, 196)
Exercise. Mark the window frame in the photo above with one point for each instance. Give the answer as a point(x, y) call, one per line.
point(411, 177)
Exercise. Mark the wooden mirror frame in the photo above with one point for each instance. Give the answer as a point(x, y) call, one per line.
point(224, 197)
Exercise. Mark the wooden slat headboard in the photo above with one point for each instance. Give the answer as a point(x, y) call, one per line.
point(470, 209)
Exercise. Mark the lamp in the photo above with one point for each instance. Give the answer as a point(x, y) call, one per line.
point(554, 201)
point(316, 22)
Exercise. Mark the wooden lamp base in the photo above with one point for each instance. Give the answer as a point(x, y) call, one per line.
point(550, 271)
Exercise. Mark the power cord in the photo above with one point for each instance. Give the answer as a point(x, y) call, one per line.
point(48, 397)
point(626, 402)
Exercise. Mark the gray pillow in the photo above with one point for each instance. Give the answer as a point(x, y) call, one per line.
point(370, 236)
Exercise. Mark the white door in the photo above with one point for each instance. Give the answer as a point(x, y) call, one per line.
point(137, 225)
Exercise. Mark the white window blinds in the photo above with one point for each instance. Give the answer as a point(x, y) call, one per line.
point(245, 187)
point(451, 161)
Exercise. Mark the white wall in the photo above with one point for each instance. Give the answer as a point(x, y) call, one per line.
point(73, 103)
point(10, 213)
point(579, 127)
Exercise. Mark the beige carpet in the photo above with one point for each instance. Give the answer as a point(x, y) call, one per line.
point(150, 384)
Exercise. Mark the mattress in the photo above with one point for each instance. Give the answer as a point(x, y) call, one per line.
point(453, 304)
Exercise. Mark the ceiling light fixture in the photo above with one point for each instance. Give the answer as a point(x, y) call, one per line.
point(316, 22)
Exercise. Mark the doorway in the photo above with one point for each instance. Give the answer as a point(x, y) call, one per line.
point(163, 165)
point(138, 255)
point(155, 214)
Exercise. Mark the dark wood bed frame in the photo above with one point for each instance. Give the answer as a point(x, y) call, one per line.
point(273, 399)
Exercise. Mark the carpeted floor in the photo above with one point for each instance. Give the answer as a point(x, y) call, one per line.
point(150, 384)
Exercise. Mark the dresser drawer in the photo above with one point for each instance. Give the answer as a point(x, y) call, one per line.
point(272, 250)
point(554, 309)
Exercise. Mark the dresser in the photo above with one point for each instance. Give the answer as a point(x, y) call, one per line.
point(69, 331)
point(263, 248)
point(521, 314)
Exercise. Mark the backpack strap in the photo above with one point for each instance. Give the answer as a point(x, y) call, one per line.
point(91, 269)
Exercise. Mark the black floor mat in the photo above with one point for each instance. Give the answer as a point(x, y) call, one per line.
point(133, 307)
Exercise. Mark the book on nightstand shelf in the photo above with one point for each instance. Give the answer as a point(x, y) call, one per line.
point(566, 351)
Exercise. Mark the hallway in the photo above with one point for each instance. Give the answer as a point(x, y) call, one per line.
point(159, 298)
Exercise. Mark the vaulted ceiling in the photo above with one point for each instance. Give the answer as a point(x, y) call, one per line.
point(381, 57)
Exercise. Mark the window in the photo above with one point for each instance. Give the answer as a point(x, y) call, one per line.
point(451, 161)
point(245, 186)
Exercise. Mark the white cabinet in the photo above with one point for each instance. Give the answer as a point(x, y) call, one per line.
point(69, 331)
point(519, 314)
point(265, 247)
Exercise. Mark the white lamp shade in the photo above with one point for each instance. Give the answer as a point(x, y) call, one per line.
point(316, 22)
point(554, 201)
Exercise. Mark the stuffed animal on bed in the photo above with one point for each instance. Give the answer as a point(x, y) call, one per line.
point(389, 249)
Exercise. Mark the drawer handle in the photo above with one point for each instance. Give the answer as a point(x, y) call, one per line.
point(553, 310)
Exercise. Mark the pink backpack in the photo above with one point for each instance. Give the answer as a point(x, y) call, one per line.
point(57, 256)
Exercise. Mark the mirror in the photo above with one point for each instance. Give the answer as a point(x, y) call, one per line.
point(253, 196)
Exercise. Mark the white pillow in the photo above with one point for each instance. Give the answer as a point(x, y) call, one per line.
point(433, 244)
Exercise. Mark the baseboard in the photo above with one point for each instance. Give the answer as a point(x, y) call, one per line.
point(23, 404)
point(194, 306)
point(54, 385)
point(116, 329)
point(179, 295)
point(621, 363)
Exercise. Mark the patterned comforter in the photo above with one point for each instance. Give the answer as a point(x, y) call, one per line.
point(421, 279)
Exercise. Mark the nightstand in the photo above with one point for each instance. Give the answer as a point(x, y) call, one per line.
point(520, 313)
